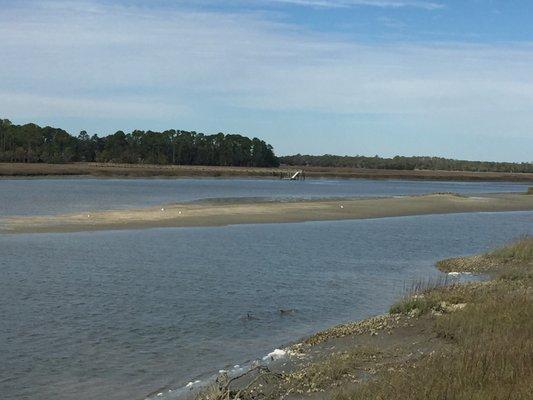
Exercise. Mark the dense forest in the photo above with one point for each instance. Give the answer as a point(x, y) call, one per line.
point(405, 163)
point(32, 143)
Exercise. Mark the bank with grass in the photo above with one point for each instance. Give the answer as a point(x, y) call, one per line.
point(458, 341)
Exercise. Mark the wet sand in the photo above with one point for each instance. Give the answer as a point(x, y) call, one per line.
point(242, 212)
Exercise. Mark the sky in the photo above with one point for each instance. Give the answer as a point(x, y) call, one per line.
point(386, 77)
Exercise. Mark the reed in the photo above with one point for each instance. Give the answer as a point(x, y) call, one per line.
point(490, 339)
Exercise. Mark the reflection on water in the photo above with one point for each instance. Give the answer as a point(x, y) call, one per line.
point(116, 315)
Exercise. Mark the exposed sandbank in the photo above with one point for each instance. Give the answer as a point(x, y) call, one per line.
point(219, 214)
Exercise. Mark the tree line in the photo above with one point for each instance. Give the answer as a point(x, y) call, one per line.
point(404, 163)
point(31, 143)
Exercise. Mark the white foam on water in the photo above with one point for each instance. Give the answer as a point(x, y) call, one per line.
point(275, 355)
point(191, 384)
point(186, 392)
point(454, 273)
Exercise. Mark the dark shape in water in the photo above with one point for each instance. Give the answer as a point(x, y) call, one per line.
point(287, 311)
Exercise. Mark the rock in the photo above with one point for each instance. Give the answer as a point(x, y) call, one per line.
point(415, 312)
point(455, 307)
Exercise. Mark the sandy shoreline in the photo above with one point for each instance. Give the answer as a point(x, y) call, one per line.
point(220, 214)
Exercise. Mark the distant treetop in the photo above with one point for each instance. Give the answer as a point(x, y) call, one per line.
point(404, 163)
point(32, 143)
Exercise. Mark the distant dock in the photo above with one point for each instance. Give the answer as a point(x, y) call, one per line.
point(293, 176)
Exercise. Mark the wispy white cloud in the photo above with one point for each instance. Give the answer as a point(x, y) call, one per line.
point(14, 102)
point(91, 60)
point(427, 5)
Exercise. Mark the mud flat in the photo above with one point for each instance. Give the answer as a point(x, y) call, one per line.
point(242, 212)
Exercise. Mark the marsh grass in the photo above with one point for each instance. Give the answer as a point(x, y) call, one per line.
point(484, 337)
point(426, 285)
point(425, 296)
point(518, 252)
point(333, 370)
point(491, 340)
point(419, 305)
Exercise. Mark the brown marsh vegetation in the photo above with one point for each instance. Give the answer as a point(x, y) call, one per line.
point(490, 332)
point(151, 170)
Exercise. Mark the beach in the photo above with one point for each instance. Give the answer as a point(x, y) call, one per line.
point(233, 212)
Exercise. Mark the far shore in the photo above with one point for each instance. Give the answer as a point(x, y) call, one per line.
point(242, 212)
point(103, 170)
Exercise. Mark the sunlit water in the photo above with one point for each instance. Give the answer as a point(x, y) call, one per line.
point(57, 196)
point(117, 315)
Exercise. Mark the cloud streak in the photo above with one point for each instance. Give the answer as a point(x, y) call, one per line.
point(358, 3)
point(89, 60)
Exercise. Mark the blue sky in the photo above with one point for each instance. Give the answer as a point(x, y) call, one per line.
point(387, 77)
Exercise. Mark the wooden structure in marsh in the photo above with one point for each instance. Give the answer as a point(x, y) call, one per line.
point(292, 176)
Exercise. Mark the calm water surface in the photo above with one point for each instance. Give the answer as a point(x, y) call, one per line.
point(57, 196)
point(117, 315)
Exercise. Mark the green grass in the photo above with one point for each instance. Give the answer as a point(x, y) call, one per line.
point(438, 298)
point(520, 251)
point(517, 252)
point(418, 305)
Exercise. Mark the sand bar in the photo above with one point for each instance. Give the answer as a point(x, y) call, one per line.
point(242, 212)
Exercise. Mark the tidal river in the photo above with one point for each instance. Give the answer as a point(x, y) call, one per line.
point(121, 314)
point(65, 195)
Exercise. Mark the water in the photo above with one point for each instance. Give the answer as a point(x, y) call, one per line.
point(58, 196)
point(116, 315)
